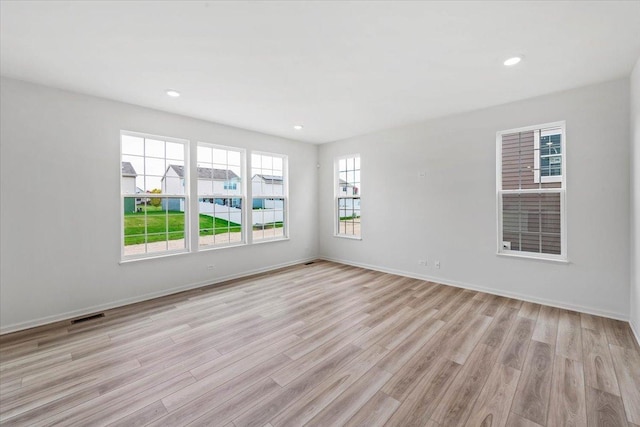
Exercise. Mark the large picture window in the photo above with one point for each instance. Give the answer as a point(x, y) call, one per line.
point(347, 192)
point(269, 191)
point(169, 187)
point(153, 195)
point(531, 191)
point(220, 195)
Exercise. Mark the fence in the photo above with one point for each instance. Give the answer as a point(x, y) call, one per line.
point(227, 213)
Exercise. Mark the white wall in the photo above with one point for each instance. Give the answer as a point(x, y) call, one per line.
point(450, 214)
point(61, 264)
point(60, 251)
point(634, 317)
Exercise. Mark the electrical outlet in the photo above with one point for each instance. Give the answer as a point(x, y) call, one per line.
point(211, 267)
point(437, 264)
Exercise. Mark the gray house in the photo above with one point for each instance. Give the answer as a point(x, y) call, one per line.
point(210, 181)
point(129, 186)
point(266, 185)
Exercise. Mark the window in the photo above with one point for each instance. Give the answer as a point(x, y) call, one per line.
point(531, 191)
point(269, 191)
point(159, 200)
point(220, 195)
point(548, 155)
point(348, 190)
point(230, 185)
point(154, 201)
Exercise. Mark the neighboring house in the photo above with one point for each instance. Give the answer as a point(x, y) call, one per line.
point(348, 207)
point(266, 185)
point(210, 181)
point(346, 189)
point(129, 186)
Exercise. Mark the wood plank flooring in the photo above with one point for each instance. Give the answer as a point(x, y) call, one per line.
point(324, 345)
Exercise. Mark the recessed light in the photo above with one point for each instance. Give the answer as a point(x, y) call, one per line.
point(173, 93)
point(298, 127)
point(512, 61)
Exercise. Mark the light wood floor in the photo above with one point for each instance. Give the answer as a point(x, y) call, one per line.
point(325, 345)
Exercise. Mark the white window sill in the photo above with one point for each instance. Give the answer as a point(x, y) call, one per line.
point(346, 236)
point(202, 249)
point(153, 256)
point(534, 257)
point(259, 242)
point(206, 248)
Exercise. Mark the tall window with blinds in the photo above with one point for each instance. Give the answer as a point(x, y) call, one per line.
point(530, 180)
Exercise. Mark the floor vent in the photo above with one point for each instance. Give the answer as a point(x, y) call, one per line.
point(87, 318)
point(309, 263)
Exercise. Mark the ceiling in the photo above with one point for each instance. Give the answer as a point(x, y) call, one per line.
point(339, 68)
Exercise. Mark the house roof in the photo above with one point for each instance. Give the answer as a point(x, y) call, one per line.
point(128, 170)
point(207, 173)
point(343, 182)
point(270, 179)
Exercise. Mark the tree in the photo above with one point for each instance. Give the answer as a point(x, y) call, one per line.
point(156, 201)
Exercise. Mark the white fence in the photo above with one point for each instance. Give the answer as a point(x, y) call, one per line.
point(260, 216)
point(265, 216)
point(220, 211)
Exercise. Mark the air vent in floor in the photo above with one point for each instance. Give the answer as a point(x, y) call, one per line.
point(87, 318)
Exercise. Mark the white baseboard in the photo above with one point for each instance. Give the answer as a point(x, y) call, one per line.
point(97, 308)
point(499, 292)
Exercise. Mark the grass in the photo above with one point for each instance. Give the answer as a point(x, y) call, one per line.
point(159, 223)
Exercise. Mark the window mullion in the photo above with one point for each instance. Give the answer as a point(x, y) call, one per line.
point(248, 206)
point(191, 192)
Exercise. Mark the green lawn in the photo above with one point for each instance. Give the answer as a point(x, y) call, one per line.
point(157, 221)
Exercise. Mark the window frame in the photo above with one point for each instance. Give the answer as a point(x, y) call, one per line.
point(284, 196)
point(537, 177)
point(337, 197)
point(242, 197)
point(187, 223)
point(191, 197)
point(501, 250)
